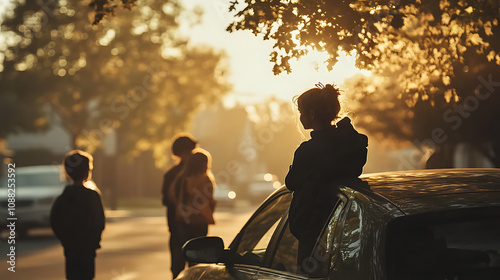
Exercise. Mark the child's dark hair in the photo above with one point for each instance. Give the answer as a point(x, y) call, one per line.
point(198, 162)
point(323, 101)
point(183, 144)
point(78, 165)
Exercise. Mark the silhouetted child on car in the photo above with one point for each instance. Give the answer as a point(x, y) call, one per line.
point(77, 217)
point(334, 152)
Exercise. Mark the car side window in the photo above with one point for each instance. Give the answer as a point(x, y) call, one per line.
point(325, 254)
point(350, 248)
point(285, 257)
point(252, 242)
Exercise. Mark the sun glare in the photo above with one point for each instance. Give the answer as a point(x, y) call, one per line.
point(345, 67)
point(306, 72)
point(312, 69)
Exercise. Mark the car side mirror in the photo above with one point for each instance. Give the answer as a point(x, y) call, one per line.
point(205, 249)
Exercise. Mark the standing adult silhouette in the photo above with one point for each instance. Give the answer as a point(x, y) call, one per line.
point(182, 148)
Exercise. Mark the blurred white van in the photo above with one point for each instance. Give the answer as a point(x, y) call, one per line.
point(36, 188)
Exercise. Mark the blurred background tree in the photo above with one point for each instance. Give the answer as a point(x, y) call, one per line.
point(136, 76)
point(440, 57)
point(442, 60)
point(419, 36)
point(19, 105)
point(102, 8)
point(121, 89)
point(436, 126)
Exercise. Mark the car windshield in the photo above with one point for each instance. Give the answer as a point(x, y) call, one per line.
point(456, 245)
point(35, 179)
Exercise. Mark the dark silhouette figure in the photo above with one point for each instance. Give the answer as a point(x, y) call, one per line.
point(77, 217)
point(334, 152)
point(182, 148)
point(195, 201)
point(442, 157)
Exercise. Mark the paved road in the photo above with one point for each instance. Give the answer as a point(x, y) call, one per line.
point(134, 247)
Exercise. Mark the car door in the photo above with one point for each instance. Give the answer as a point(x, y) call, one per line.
point(281, 254)
point(247, 253)
point(248, 249)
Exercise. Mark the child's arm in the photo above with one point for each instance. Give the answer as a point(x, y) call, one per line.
point(56, 220)
point(211, 192)
point(99, 218)
point(168, 179)
point(302, 168)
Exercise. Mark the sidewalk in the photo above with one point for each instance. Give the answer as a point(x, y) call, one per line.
point(123, 213)
point(133, 213)
point(134, 246)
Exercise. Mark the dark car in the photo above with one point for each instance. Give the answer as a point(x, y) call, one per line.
point(431, 224)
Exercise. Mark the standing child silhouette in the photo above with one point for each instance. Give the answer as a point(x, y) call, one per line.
point(195, 201)
point(334, 152)
point(77, 217)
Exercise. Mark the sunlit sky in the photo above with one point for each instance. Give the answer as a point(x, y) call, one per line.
point(251, 71)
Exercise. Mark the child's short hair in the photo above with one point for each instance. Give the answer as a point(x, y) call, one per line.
point(78, 165)
point(183, 144)
point(323, 101)
point(199, 162)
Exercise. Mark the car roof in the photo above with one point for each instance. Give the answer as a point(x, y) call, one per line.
point(39, 169)
point(420, 191)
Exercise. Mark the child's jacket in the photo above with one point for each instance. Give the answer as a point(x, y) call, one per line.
point(77, 219)
point(196, 203)
point(334, 153)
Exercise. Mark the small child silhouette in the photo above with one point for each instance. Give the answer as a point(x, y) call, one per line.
point(77, 217)
point(334, 152)
point(195, 203)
